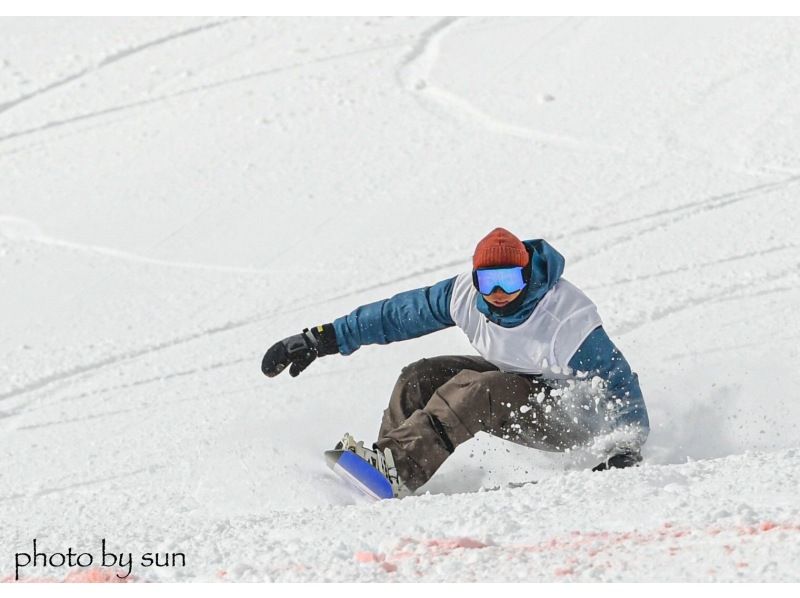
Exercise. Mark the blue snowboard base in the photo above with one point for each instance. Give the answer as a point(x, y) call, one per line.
point(359, 474)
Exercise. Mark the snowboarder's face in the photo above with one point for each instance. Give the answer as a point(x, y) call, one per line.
point(500, 298)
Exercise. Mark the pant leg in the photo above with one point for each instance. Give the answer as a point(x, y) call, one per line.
point(518, 408)
point(558, 421)
point(415, 437)
point(491, 402)
point(515, 407)
point(419, 380)
point(467, 403)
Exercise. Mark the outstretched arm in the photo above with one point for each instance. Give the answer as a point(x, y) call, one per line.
point(406, 315)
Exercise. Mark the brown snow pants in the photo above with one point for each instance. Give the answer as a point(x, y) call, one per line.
point(441, 402)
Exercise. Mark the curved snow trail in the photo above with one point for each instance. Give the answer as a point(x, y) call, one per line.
point(113, 58)
point(458, 105)
point(414, 73)
point(425, 49)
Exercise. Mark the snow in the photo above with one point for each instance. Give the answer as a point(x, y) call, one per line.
point(180, 193)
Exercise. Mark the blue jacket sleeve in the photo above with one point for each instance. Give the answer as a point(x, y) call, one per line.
point(599, 357)
point(406, 315)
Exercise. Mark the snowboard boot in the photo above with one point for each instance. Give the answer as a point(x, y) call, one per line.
point(382, 461)
point(620, 460)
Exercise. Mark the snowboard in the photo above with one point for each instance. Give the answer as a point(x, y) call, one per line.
point(359, 474)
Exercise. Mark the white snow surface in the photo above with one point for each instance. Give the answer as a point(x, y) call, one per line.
point(180, 193)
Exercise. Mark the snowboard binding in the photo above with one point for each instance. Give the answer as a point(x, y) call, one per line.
point(372, 471)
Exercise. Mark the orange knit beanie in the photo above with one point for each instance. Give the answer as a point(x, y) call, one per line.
point(499, 248)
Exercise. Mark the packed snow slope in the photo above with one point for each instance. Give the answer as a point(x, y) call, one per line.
point(179, 194)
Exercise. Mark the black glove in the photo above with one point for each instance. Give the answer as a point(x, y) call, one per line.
point(300, 350)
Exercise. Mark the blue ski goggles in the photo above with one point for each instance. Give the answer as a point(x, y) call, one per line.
point(509, 280)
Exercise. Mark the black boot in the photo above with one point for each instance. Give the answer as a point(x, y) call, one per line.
point(623, 459)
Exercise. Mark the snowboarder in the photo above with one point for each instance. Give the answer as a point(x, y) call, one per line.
point(547, 377)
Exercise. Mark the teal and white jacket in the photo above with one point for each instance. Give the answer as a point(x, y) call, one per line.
point(555, 333)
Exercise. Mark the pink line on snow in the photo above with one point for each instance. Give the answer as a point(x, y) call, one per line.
point(591, 544)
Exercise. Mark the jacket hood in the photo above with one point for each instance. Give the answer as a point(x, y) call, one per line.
point(547, 266)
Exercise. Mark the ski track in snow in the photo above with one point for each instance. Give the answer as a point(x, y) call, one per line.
point(661, 218)
point(426, 45)
point(117, 359)
point(686, 209)
point(81, 484)
point(414, 74)
point(698, 301)
point(112, 59)
point(55, 124)
point(25, 408)
point(693, 266)
point(734, 347)
point(21, 228)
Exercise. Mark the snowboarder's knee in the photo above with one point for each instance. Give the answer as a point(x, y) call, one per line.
point(470, 394)
point(493, 382)
point(421, 369)
point(415, 367)
point(495, 379)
